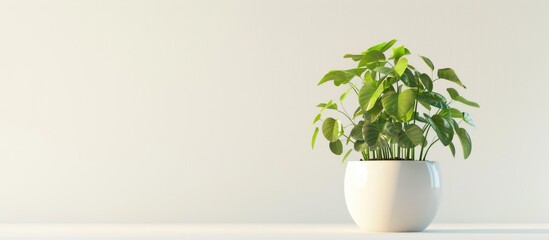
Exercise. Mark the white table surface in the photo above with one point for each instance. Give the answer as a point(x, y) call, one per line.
point(264, 231)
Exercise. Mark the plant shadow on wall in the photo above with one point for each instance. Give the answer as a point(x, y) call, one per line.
point(400, 114)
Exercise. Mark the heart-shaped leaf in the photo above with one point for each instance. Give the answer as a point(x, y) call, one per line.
point(331, 129)
point(442, 127)
point(401, 65)
point(336, 147)
point(372, 134)
point(450, 75)
point(398, 105)
point(411, 136)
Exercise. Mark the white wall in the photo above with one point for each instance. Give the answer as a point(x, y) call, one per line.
point(200, 111)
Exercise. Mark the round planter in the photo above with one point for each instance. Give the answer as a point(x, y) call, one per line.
point(392, 196)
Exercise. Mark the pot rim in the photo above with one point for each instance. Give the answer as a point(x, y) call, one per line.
point(392, 160)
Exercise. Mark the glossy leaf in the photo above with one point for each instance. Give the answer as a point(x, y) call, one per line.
point(450, 75)
point(409, 79)
point(313, 140)
point(344, 95)
point(468, 119)
point(465, 141)
point(398, 105)
point(355, 57)
point(419, 118)
point(399, 52)
point(388, 45)
point(442, 127)
point(360, 146)
point(358, 112)
point(341, 76)
point(372, 114)
point(371, 56)
point(331, 129)
point(455, 95)
point(372, 134)
point(385, 70)
point(336, 147)
point(401, 66)
point(411, 136)
point(433, 99)
point(356, 132)
point(366, 93)
point(452, 149)
point(318, 116)
point(428, 62)
point(451, 112)
point(426, 82)
point(382, 47)
point(329, 105)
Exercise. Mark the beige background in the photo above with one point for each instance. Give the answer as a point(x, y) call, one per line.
point(200, 111)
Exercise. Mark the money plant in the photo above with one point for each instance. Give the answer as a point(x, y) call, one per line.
point(400, 113)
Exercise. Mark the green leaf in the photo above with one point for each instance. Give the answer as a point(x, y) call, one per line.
point(468, 119)
point(399, 52)
point(434, 99)
point(344, 95)
point(358, 112)
point(398, 105)
point(355, 57)
point(341, 76)
point(419, 118)
point(382, 47)
point(401, 66)
point(410, 137)
point(318, 116)
point(356, 132)
point(388, 45)
point(313, 140)
point(428, 62)
point(409, 79)
point(455, 95)
point(331, 129)
point(372, 134)
point(360, 146)
point(452, 149)
point(329, 105)
point(371, 56)
point(451, 112)
point(465, 142)
point(426, 81)
point(450, 75)
point(372, 114)
point(385, 70)
point(424, 104)
point(336, 147)
point(368, 94)
point(442, 127)
point(346, 155)
point(393, 129)
point(453, 92)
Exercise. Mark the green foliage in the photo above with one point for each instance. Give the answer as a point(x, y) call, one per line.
point(332, 129)
point(399, 108)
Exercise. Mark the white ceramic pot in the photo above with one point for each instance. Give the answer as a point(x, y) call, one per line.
point(392, 196)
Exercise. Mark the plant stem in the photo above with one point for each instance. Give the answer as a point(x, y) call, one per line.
point(423, 143)
point(347, 116)
point(355, 89)
point(429, 148)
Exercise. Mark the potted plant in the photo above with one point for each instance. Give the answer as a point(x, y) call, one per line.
point(399, 117)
